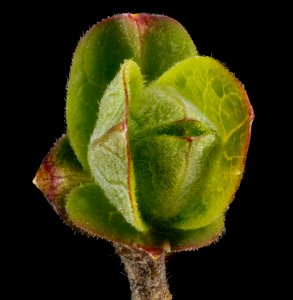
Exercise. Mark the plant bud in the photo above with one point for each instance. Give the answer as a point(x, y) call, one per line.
point(157, 138)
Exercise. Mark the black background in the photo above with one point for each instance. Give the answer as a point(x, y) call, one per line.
point(46, 258)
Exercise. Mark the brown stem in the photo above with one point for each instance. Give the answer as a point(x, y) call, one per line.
point(146, 274)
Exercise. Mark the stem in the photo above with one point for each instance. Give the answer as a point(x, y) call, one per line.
point(146, 274)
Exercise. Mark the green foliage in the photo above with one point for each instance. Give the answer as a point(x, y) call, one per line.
point(157, 138)
point(154, 42)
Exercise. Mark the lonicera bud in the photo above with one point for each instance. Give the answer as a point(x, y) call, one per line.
point(157, 138)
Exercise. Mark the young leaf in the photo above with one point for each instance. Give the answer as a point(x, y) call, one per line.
point(154, 42)
point(170, 140)
point(222, 99)
point(182, 240)
point(89, 210)
point(59, 173)
point(109, 153)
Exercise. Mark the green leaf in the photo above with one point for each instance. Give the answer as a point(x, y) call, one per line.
point(154, 42)
point(166, 168)
point(215, 92)
point(160, 107)
point(163, 42)
point(109, 153)
point(60, 172)
point(89, 210)
point(181, 240)
point(170, 139)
